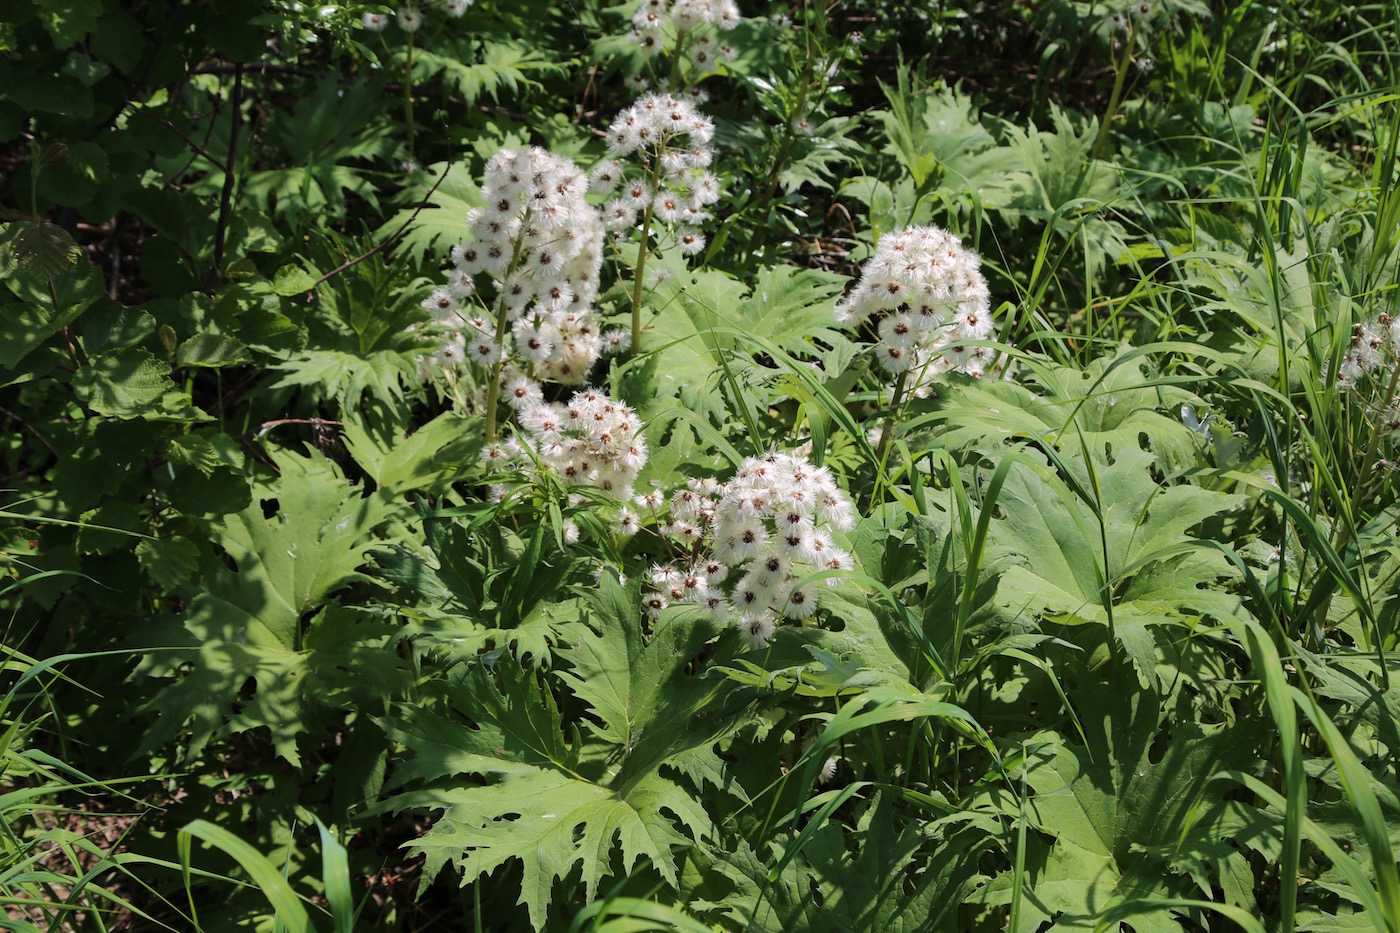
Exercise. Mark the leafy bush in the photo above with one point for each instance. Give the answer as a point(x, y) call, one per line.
point(686, 466)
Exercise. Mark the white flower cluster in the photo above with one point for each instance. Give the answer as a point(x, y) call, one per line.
point(542, 245)
point(410, 19)
point(691, 23)
point(755, 536)
point(672, 140)
point(1375, 345)
point(591, 441)
point(932, 301)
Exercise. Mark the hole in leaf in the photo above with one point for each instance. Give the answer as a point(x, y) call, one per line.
point(1158, 750)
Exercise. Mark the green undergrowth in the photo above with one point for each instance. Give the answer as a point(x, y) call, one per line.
point(1088, 617)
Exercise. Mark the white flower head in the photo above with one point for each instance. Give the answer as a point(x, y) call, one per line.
point(754, 537)
point(931, 301)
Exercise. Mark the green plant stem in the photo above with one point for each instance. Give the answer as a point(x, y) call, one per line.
point(770, 185)
point(888, 428)
point(643, 252)
point(493, 388)
point(1116, 98)
point(408, 95)
point(676, 61)
point(226, 193)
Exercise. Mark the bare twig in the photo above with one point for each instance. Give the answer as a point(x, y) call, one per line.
point(279, 422)
point(28, 427)
point(199, 150)
point(388, 240)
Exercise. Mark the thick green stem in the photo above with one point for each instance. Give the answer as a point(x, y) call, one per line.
point(643, 251)
point(676, 60)
point(888, 428)
point(770, 185)
point(493, 388)
point(1116, 97)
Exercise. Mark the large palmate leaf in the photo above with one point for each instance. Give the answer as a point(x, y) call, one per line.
point(552, 803)
point(245, 626)
point(1124, 558)
point(504, 66)
point(429, 458)
point(1068, 188)
point(685, 337)
point(435, 213)
point(896, 880)
point(538, 807)
point(938, 137)
point(1117, 809)
point(346, 376)
point(699, 347)
point(1108, 406)
point(324, 133)
point(291, 562)
point(643, 700)
point(478, 583)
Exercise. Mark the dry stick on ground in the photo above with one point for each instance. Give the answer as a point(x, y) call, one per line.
point(387, 241)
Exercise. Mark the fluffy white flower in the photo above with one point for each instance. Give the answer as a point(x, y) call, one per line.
point(932, 301)
point(542, 243)
point(667, 132)
point(758, 534)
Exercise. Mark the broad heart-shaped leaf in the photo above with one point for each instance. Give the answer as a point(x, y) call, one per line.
point(1117, 808)
point(126, 384)
point(1125, 559)
point(544, 804)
